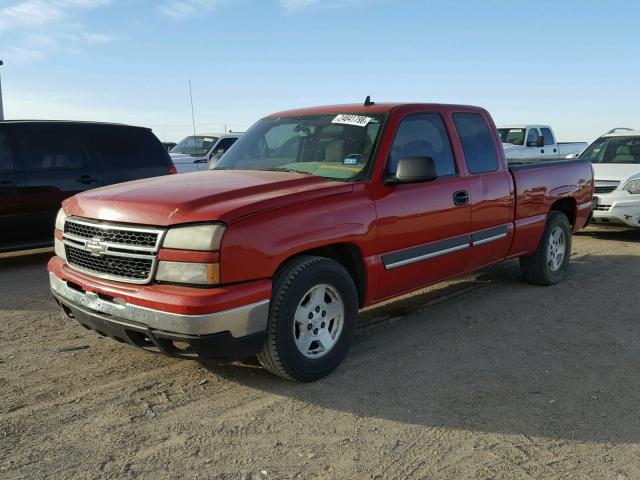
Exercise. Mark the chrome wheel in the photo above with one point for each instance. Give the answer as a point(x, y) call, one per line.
point(318, 321)
point(557, 249)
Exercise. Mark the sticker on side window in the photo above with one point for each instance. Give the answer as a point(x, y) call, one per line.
point(355, 120)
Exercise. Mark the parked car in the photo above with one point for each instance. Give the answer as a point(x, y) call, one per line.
point(532, 143)
point(616, 163)
point(313, 214)
point(169, 145)
point(44, 162)
point(195, 152)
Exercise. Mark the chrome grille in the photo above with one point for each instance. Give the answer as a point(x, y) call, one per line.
point(140, 238)
point(115, 252)
point(113, 266)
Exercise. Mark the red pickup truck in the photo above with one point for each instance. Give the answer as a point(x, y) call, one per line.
point(311, 215)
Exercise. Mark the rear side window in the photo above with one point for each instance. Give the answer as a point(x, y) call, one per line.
point(423, 135)
point(7, 160)
point(477, 142)
point(124, 148)
point(548, 136)
point(53, 149)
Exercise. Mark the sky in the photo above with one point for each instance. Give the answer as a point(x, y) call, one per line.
point(572, 64)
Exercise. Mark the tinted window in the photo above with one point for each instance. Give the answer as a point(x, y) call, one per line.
point(477, 142)
point(53, 149)
point(423, 135)
point(125, 148)
point(6, 153)
point(548, 136)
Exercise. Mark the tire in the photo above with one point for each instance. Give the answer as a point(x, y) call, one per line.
point(544, 266)
point(295, 350)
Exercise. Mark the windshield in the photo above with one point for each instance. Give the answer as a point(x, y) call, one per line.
point(335, 146)
point(514, 136)
point(197, 146)
point(613, 150)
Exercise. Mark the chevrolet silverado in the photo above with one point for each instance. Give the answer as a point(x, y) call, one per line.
point(310, 216)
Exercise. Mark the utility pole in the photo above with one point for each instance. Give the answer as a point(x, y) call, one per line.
point(1, 109)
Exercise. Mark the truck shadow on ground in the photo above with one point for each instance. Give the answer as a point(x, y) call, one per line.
point(559, 362)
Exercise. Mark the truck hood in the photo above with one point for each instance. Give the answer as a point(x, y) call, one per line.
point(616, 171)
point(223, 195)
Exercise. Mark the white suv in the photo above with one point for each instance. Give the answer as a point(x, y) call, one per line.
point(616, 164)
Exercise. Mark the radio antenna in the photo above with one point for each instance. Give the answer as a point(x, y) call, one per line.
point(193, 120)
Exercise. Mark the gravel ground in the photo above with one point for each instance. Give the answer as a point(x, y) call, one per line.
point(485, 377)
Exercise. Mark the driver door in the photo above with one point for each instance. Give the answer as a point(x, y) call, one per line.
point(423, 227)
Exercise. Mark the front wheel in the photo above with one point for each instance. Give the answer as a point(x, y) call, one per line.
point(548, 264)
point(312, 319)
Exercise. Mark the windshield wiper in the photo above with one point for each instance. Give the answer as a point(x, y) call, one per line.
point(282, 169)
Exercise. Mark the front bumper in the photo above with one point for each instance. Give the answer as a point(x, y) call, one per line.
point(228, 335)
point(608, 210)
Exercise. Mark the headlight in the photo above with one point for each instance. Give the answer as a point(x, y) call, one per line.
point(633, 187)
point(195, 237)
point(60, 218)
point(192, 273)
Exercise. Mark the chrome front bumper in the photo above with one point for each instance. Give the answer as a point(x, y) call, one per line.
point(239, 322)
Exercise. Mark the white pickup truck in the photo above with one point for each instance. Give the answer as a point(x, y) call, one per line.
point(195, 153)
point(532, 143)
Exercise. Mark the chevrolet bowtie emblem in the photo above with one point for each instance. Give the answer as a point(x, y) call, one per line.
point(96, 246)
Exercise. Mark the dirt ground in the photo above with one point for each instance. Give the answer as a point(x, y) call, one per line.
point(483, 378)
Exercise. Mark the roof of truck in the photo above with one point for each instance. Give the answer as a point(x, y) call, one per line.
point(525, 126)
point(623, 133)
point(69, 122)
point(360, 108)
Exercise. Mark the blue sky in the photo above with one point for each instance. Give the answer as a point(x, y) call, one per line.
point(573, 64)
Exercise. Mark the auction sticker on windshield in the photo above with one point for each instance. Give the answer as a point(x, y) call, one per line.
point(355, 120)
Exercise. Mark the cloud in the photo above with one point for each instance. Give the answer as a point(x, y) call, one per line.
point(188, 8)
point(182, 9)
point(28, 14)
point(291, 6)
point(22, 22)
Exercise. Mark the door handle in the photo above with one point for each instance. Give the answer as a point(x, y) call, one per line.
point(542, 151)
point(86, 179)
point(461, 197)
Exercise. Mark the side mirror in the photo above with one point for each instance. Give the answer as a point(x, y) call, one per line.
point(540, 141)
point(413, 170)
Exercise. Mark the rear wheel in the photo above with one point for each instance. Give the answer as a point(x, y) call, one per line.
point(312, 319)
point(548, 264)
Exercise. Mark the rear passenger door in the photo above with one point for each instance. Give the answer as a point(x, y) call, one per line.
point(423, 231)
point(57, 166)
point(491, 189)
point(126, 153)
point(12, 201)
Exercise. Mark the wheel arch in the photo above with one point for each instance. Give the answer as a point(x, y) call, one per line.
point(346, 254)
point(568, 206)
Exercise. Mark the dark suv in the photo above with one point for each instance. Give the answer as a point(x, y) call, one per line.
point(44, 162)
